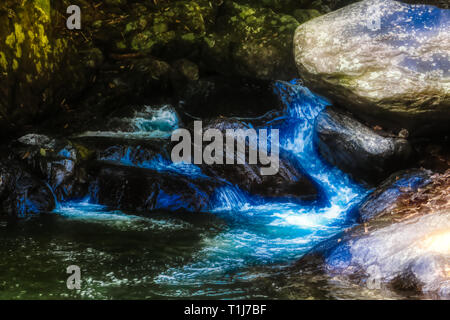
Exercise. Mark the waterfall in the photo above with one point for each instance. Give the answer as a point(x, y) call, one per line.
point(260, 231)
point(264, 231)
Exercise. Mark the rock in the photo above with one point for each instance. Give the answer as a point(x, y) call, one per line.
point(186, 69)
point(395, 74)
point(404, 248)
point(408, 256)
point(59, 162)
point(21, 193)
point(133, 152)
point(143, 190)
point(388, 194)
point(38, 140)
point(357, 149)
point(290, 183)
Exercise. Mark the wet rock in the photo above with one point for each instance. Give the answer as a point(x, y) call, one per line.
point(38, 140)
point(357, 149)
point(59, 162)
point(134, 152)
point(409, 257)
point(386, 196)
point(143, 190)
point(394, 74)
point(22, 194)
point(186, 69)
point(290, 183)
point(404, 247)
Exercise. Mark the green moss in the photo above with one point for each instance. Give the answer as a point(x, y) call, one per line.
point(44, 5)
point(303, 15)
point(83, 152)
point(20, 36)
point(11, 40)
point(121, 45)
point(143, 41)
point(188, 37)
point(3, 61)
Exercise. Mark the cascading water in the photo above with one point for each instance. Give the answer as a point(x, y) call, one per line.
point(258, 231)
point(264, 232)
point(145, 124)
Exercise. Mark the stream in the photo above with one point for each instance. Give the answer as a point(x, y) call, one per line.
point(238, 249)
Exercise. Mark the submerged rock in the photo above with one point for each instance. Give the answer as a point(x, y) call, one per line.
point(22, 194)
point(357, 149)
point(386, 61)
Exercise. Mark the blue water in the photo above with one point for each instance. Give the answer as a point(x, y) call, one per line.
point(258, 232)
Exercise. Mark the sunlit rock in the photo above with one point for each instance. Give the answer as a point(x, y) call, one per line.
point(386, 61)
point(39, 140)
point(402, 246)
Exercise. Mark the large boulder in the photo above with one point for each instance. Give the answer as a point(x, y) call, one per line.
point(386, 61)
point(357, 149)
point(404, 249)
